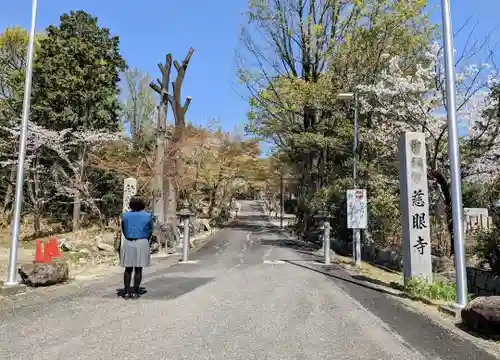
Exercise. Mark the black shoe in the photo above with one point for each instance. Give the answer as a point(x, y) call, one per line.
point(135, 296)
point(125, 294)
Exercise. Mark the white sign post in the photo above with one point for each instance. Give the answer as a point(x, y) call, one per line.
point(357, 219)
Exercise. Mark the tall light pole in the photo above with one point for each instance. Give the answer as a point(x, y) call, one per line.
point(282, 198)
point(454, 155)
point(16, 222)
point(356, 253)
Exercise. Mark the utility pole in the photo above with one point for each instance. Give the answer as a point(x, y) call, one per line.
point(356, 232)
point(18, 202)
point(282, 199)
point(179, 110)
point(161, 185)
point(454, 155)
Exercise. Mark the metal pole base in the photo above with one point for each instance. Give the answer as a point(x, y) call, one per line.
point(458, 306)
point(11, 283)
point(10, 289)
point(321, 263)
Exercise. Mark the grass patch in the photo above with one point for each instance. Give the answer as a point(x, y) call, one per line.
point(439, 290)
point(416, 289)
point(74, 257)
point(373, 273)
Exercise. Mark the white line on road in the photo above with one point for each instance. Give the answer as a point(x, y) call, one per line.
point(274, 262)
point(268, 252)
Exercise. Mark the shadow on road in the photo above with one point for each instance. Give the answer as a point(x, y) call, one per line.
point(168, 288)
point(373, 281)
point(342, 275)
point(121, 292)
point(255, 223)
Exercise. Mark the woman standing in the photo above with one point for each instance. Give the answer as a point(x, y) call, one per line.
point(137, 228)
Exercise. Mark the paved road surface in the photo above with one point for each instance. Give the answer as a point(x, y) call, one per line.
point(239, 301)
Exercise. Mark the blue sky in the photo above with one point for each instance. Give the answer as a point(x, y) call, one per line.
point(149, 29)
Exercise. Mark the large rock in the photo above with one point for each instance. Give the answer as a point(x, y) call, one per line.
point(39, 274)
point(105, 247)
point(483, 315)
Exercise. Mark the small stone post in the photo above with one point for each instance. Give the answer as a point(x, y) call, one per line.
point(414, 195)
point(324, 218)
point(185, 214)
point(326, 241)
point(129, 190)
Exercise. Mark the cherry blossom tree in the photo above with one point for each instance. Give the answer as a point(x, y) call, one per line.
point(35, 170)
point(58, 159)
point(412, 98)
point(69, 173)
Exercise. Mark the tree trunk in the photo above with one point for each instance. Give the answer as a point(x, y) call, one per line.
point(179, 112)
point(95, 209)
point(37, 215)
point(37, 208)
point(77, 206)
point(445, 188)
point(7, 202)
point(211, 206)
point(171, 205)
point(158, 192)
point(164, 190)
point(169, 189)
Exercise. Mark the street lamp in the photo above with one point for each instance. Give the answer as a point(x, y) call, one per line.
point(16, 222)
point(454, 155)
point(356, 254)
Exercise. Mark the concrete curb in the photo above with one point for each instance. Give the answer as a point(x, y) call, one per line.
point(451, 311)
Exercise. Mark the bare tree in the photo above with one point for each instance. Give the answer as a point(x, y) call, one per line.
point(170, 162)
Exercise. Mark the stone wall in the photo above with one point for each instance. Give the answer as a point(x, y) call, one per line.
point(482, 282)
point(479, 282)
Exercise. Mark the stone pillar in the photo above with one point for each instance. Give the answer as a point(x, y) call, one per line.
point(129, 190)
point(414, 198)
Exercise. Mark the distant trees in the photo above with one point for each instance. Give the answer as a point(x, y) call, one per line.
point(310, 51)
point(75, 108)
point(86, 135)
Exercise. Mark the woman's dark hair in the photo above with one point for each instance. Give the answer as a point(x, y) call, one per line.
point(137, 204)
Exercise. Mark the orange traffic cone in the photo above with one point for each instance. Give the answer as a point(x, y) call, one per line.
point(51, 250)
point(39, 258)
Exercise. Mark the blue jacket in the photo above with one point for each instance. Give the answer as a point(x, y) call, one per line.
point(137, 225)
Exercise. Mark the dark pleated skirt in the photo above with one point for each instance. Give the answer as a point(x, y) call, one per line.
point(135, 253)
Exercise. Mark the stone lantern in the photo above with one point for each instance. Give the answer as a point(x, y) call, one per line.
point(185, 214)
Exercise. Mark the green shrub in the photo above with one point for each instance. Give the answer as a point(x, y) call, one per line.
point(487, 249)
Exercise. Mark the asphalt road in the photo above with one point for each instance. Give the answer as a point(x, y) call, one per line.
point(247, 295)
